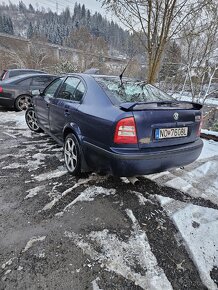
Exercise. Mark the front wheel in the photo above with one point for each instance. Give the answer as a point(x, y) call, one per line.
point(23, 103)
point(31, 120)
point(72, 154)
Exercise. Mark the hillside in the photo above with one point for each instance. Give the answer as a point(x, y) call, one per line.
point(56, 28)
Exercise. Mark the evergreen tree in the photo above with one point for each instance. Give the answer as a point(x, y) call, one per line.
point(31, 9)
point(30, 31)
point(22, 6)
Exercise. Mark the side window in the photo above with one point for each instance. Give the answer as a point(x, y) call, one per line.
point(51, 89)
point(79, 92)
point(40, 80)
point(25, 82)
point(72, 89)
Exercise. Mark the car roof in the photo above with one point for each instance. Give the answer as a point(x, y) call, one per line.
point(26, 76)
point(23, 69)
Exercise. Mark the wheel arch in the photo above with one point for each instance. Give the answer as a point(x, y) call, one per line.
point(74, 129)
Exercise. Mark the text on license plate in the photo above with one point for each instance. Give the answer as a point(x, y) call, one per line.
point(171, 132)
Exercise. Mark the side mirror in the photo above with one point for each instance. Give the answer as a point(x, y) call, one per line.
point(35, 92)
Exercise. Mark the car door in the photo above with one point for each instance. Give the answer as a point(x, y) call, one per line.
point(63, 108)
point(42, 103)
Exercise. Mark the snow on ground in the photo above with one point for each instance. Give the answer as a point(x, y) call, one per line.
point(90, 193)
point(18, 117)
point(35, 191)
point(209, 101)
point(32, 241)
point(209, 132)
point(210, 149)
point(52, 174)
point(95, 285)
point(120, 257)
point(198, 227)
point(200, 182)
point(200, 179)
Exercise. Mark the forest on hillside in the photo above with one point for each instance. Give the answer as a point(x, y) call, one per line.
point(63, 28)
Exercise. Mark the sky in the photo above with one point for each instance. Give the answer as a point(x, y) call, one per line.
point(93, 5)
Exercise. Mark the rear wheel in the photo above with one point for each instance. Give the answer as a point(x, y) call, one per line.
point(31, 120)
point(72, 154)
point(23, 102)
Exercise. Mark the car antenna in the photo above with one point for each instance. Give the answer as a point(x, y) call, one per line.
point(121, 75)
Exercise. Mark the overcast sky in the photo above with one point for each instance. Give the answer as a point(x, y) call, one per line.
point(93, 5)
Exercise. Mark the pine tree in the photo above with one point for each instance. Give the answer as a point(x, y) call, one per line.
point(30, 31)
point(31, 9)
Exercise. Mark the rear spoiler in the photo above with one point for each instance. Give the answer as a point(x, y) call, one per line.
point(138, 106)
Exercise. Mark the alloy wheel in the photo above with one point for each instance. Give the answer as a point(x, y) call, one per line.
point(31, 120)
point(70, 154)
point(23, 102)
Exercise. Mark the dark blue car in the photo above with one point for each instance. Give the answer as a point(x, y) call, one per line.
point(125, 127)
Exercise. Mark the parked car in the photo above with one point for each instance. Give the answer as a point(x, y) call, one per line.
point(10, 73)
point(16, 92)
point(121, 126)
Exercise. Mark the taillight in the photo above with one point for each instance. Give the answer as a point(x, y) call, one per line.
point(1, 89)
point(200, 126)
point(125, 132)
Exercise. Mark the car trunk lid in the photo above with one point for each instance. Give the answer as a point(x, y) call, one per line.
point(165, 123)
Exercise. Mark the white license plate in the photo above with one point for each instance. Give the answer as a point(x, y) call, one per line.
point(171, 133)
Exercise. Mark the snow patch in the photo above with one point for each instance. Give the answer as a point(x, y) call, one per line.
point(200, 182)
point(52, 174)
point(210, 149)
point(199, 229)
point(156, 175)
point(34, 191)
point(90, 193)
point(8, 263)
point(208, 132)
point(17, 117)
point(120, 257)
point(30, 164)
point(32, 241)
point(95, 285)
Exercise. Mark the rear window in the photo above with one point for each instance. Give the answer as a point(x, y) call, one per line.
point(131, 91)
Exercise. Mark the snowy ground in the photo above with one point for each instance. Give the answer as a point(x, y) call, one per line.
point(209, 101)
point(99, 232)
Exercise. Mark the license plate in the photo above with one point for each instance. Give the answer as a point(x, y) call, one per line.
point(171, 133)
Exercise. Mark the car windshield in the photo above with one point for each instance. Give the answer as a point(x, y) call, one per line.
point(131, 91)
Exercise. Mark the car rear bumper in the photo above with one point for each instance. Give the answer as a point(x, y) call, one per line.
point(122, 163)
point(6, 102)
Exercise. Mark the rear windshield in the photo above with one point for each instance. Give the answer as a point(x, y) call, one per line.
point(131, 91)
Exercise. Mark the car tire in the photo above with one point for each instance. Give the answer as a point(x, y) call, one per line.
point(72, 154)
point(31, 120)
point(23, 102)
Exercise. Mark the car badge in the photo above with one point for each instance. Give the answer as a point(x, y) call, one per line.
point(176, 116)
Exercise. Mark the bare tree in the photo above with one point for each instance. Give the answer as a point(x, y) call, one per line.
point(94, 48)
point(199, 45)
point(155, 22)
